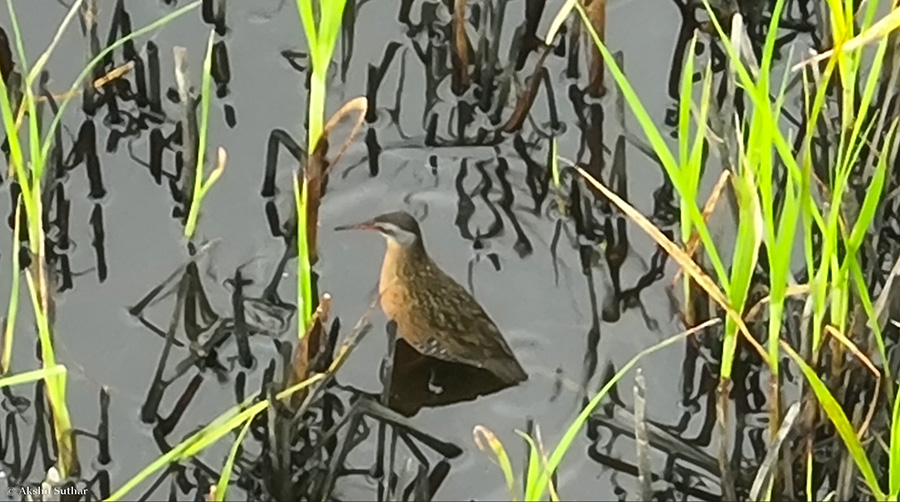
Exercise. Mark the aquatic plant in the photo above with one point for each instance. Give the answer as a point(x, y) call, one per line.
point(29, 170)
point(201, 186)
point(773, 189)
point(541, 468)
point(231, 419)
point(851, 438)
point(685, 178)
point(242, 415)
point(321, 36)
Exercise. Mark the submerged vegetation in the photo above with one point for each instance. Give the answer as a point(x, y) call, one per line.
point(786, 317)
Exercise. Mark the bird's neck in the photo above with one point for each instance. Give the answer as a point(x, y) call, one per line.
point(396, 258)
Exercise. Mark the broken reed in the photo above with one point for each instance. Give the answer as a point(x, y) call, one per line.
point(29, 169)
point(757, 152)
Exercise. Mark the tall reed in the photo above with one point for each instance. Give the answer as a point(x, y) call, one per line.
point(321, 35)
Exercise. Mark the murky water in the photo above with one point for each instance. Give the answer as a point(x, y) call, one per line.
point(572, 306)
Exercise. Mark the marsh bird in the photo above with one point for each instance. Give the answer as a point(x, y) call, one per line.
point(434, 314)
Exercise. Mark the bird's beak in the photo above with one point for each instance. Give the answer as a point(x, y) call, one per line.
point(364, 225)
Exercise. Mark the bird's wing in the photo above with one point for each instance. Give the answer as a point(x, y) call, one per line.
point(457, 319)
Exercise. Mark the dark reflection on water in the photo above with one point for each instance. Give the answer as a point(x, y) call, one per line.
point(418, 381)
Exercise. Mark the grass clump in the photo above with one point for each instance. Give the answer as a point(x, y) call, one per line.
point(779, 190)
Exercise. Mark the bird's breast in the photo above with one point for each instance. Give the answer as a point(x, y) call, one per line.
point(390, 284)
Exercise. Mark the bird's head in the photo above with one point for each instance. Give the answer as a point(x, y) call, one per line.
point(398, 227)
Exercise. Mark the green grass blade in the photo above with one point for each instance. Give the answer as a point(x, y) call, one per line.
point(205, 98)
point(32, 376)
point(535, 468)
point(13, 307)
point(332, 12)
point(746, 252)
point(225, 477)
point(558, 21)
point(20, 46)
point(305, 9)
point(873, 193)
point(810, 491)
point(45, 56)
point(485, 439)
point(684, 103)
point(539, 488)
point(222, 425)
point(15, 145)
point(693, 166)
point(36, 163)
point(769, 47)
point(894, 469)
point(841, 423)
point(868, 94)
point(862, 290)
point(304, 273)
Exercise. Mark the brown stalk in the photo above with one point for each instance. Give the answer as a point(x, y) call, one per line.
point(114, 74)
point(460, 47)
point(596, 14)
point(722, 418)
point(526, 99)
point(711, 203)
point(793, 290)
point(308, 346)
point(360, 105)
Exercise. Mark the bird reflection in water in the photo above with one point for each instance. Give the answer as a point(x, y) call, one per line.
point(418, 381)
